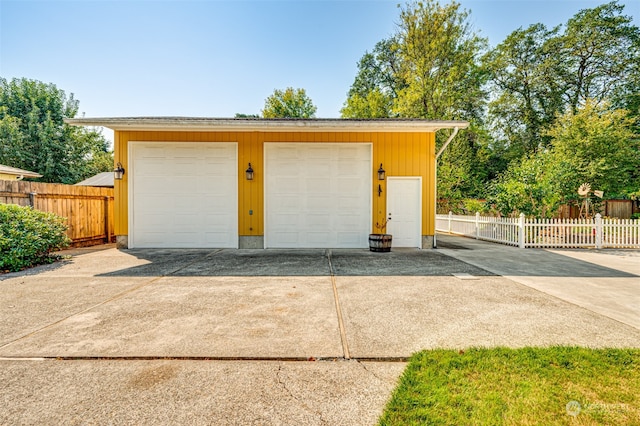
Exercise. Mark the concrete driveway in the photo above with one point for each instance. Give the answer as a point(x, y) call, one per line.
point(283, 337)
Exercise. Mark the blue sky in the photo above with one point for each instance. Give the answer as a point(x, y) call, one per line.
point(218, 58)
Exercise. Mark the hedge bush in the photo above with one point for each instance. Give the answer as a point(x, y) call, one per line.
point(28, 236)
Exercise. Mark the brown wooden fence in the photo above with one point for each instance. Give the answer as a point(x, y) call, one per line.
point(620, 209)
point(89, 210)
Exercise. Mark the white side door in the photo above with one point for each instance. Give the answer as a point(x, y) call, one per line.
point(404, 211)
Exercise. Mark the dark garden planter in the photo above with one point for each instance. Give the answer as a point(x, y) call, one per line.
point(380, 243)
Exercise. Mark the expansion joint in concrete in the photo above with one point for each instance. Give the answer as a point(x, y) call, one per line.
point(336, 298)
point(203, 358)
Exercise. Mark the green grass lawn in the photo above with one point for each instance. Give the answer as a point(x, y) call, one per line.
point(529, 386)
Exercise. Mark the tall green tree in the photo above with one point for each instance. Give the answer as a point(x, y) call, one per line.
point(429, 68)
point(537, 74)
point(439, 66)
point(377, 83)
point(290, 103)
point(600, 52)
point(527, 94)
point(34, 137)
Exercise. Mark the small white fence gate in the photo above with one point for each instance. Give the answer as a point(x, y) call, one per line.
point(545, 233)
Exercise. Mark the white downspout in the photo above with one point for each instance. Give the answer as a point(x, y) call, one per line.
point(453, 135)
point(435, 191)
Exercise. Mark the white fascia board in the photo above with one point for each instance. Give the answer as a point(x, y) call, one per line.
point(18, 172)
point(265, 125)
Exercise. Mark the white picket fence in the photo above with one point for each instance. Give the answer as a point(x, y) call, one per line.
point(545, 233)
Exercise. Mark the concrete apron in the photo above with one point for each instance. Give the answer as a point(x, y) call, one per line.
point(292, 305)
point(216, 335)
point(606, 282)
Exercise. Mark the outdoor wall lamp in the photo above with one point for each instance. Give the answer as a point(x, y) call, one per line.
point(380, 173)
point(249, 172)
point(118, 172)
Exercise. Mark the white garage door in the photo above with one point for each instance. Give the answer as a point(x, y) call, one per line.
point(183, 195)
point(317, 195)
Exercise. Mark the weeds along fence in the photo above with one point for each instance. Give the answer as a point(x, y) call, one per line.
point(88, 210)
point(597, 232)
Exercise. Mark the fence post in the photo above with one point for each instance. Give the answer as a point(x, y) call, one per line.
point(521, 242)
point(32, 199)
point(105, 205)
point(599, 231)
point(477, 225)
point(450, 218)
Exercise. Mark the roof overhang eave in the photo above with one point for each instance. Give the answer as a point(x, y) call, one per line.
point(13, 171)
point(266, 125)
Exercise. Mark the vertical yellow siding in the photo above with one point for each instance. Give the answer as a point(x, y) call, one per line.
point(401, 154)
point(121, 195)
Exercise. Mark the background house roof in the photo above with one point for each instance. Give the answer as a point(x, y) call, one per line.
point(18, 172)
point(104, 179)
point(267, 125)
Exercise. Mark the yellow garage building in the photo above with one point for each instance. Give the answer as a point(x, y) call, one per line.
point(272, 183)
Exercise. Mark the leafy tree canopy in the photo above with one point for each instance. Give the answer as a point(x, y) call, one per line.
point(526, 95)
point(34, 137)
point(427, 69)
point(290, 103)
point(538, 73)
point(599, 51)
point(596, 145)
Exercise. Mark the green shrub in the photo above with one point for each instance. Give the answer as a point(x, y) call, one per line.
point(28, 236)
point(473, 206)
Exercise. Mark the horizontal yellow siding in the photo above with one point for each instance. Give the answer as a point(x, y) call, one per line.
point(4, 176)
point(402, 154)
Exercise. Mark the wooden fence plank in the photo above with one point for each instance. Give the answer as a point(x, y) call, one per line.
point(619, 208)
point(89, 210)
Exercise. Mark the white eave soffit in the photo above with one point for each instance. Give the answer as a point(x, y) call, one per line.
point(266, 125)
